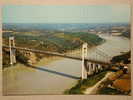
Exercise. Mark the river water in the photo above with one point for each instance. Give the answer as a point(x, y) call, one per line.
point(58, 75)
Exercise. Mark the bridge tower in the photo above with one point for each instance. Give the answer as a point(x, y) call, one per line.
point(12, 50)
point(84, 55)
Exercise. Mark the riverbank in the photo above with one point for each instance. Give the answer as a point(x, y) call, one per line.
point(94, 88)
point(24, 68)
point(82, 85)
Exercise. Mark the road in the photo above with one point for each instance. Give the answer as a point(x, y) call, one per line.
point(94, 89)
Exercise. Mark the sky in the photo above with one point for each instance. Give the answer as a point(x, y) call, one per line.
point(66, 14)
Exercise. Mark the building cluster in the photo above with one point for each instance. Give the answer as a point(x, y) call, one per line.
point(114, 30)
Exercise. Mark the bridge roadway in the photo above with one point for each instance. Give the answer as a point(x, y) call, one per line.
point(59, 54)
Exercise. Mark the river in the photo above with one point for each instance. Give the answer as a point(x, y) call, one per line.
point(59, 75)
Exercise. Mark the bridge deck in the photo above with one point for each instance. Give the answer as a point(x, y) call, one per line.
point(58, 54)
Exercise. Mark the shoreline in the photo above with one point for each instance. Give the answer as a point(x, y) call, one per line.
point(43, 61)
point(82, 85)
point(95, 87)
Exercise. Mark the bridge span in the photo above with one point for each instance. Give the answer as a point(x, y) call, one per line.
point(89, 66)
point(58, 54)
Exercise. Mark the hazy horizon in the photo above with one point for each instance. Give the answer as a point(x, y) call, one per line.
point(65, 23)
point(66, 14)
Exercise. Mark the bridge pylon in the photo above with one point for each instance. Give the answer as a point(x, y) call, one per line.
point(12, 51)
point(84, 55)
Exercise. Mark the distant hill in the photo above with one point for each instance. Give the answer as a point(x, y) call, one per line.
point(58, 26)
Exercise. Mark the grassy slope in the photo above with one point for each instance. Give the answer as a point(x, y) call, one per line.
point(109, 91)
point(82, 85)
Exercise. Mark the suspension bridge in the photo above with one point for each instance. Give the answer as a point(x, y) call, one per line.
point(89, 65)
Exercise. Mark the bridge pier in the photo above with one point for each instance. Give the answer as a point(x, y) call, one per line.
point(94, 68)
point(89, 72)
point(97, 68)
point(12, 51)
point(91, 69)
point(86, 65)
